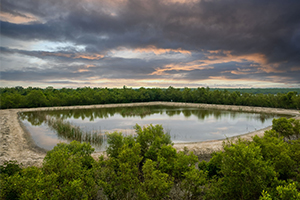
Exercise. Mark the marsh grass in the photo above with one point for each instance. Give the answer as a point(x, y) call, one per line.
point(68, 131)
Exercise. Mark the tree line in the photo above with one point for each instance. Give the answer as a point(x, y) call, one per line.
point(147, 166)
point(260, 90)
point(19, 97)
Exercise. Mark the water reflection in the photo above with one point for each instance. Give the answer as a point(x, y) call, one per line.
point(184, 124)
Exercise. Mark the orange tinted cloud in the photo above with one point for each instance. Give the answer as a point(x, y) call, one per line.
point(295, 69)
point(89, 57)
point(85, 69)
point(259, 65)
point(258, 58)
point(158, 51)
point(16, 19)
point(240, 71)
point(182, 67)
point(152, 49)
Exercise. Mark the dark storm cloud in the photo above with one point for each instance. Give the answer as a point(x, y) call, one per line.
point(253, 26)
point(119, 68)
point(67, 67)
point(233, 71)
point(268, 28)
point(58, 56)
point(116, 68)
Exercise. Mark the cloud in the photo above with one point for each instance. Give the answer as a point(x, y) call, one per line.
point(153, 40)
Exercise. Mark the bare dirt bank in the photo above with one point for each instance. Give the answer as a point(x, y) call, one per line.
point(16, 143)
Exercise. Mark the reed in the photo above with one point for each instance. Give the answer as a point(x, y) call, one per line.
point(68, 131)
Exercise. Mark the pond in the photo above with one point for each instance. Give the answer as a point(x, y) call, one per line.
point(184, 124)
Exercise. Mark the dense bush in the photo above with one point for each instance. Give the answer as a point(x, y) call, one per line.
point(66, 174)
point(146, 166)
point(267, 166)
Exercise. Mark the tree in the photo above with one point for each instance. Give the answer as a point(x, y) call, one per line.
point(245, 173)
point(156, 185)
point(36, 98)
point(286, 127)
point(151, 139)
point(119, 176)
point(71, 164)
point(277, 153)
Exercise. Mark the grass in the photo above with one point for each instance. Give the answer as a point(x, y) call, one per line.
point(69, 131)
point(66, 130)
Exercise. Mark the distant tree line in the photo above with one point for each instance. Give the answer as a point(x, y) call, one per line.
point(260, 90)
point(19, 97)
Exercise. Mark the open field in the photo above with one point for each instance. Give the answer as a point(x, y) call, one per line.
point(16, 143)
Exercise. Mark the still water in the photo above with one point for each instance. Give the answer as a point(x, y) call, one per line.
point(182, 123)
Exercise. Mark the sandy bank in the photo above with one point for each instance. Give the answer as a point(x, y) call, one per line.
point(16, 143)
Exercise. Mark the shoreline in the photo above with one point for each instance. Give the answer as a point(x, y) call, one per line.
point(16, 142)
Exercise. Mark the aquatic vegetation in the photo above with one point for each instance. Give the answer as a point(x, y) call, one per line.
point(65, 129)
point(69, 131)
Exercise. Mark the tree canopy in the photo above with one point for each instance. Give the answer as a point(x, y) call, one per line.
point(19, 97)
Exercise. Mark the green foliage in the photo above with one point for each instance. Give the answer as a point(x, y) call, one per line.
point(176, 164)
point(283, 192)
point(288, 192)
point(151, 139)
point(192, 185)
point(72, 164)
point(64, 152)
point(119, 176)
point(157, 184)
point(213, 167)
point(10, 168)
point(145, 166)
point(265, 196)
point(36, 98)
point(19, 97)
point(245, 172)
point(287, 127)
point(115, 141)
point(278, 153)
point(24, 185)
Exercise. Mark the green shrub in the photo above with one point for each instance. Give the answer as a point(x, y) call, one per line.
point(151, 139)
point(72, 165)
point(156, 184)
point(10, 168)
point(287, 127)
point(283, 192)
point(119, 177)
point(245, 173)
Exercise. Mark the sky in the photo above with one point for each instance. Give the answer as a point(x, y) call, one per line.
point(150, 43)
